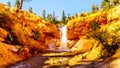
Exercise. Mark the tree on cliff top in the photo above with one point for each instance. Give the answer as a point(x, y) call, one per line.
point(115, 2)
point(49, 17)
point(8, 4)
point(109, 3)
point(95, 8)
point(64, 21)
point(105, 4)
point(21, 3)
point(17, 4)
point(30, 10)
point(44, 15)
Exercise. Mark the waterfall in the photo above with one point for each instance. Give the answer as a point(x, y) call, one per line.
point(63, 46)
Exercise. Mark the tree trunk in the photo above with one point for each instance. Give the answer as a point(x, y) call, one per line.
point(21, 3)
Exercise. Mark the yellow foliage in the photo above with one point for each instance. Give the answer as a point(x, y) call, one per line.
point(95, 53)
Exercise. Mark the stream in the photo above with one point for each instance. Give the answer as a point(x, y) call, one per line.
point(38, 62)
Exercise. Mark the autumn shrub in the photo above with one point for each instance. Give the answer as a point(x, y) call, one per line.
point(108, 35)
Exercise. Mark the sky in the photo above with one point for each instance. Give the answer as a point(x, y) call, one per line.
point(69, 6)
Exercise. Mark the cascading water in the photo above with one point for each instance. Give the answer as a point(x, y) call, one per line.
point(63, 46)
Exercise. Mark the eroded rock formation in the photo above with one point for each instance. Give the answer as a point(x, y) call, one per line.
point(26, 30)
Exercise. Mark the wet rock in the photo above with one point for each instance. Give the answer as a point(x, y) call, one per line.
point(34, 62)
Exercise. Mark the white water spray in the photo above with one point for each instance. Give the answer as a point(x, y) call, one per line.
point(63, 46)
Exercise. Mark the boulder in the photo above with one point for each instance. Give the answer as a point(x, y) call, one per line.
point(83, 44)
point(95, 53)
point(7, 56)
point(115, 64)
point(26, 29)
point(75, 60)
point(3, 33)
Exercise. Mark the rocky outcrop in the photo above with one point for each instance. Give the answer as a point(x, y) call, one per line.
point(81, 26)
point(26, 30)
point(7, 55)
point(83, 44)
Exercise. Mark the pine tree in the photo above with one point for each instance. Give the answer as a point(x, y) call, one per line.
point(105, 4)
point(76, 15)
point(30, 9)
point(69, 18)
point(63, 17)
point(68, 15)
point(17, 4)
point(82, 15)
point(93, 8)
point(44, 14)
point(53, 17)
point(96, 7)
point(49, 17)
point(114, 2)
point(8, 4)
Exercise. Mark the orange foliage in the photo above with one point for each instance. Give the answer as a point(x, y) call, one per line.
point(81, 25)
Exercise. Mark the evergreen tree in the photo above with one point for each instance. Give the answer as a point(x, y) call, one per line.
point(76, 15)
point(63, 17)
point(68, 15)
point(105, 4)
point(114, 2)
point(49, 17)
point(96, 7)
point(30, 9)
point(82, 15)
point(72, 17)
point(93, 8)
point(53, 17)
point(17, 4)
point(44, 14)
point(69, 18)
point(8, 4)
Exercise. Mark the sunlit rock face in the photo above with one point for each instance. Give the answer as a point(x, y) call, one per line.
point(27, 29)
point(83, 44)
point(24, 29)
point(7, 56)
point(81, 26)
point(113, 14)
